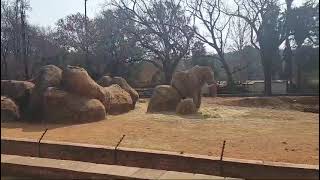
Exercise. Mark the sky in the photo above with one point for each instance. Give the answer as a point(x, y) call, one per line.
point(47, 12)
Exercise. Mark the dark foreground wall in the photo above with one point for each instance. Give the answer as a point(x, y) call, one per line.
point(237, 168)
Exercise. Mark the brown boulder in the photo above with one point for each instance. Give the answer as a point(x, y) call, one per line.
point(47, 76)
point(76, 80)
point(19, 91)
point(62, 106)
point(9, 109)
point(164, 98)
point(120, 101)
point(105, 81)
point(16, 89)
point(186, 106)
point(124, 85)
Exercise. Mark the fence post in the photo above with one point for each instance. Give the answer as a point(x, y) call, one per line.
point(221, 156)
point(39, 141)
point(116, 148)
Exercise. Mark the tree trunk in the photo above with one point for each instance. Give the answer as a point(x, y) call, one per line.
point(299, 78)
point(228, 72)
point(5, 68)
point(115, 68)
point(168, 71)
point(288, 51)
point(267, 73)
point(24, 44)
point(17, 32)
point(299, 57)
point(288, 63)
point(168, 76)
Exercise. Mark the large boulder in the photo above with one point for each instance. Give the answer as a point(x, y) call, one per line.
point(124, 85)
point(120, 101)
point(105, 81)
point(62, 106)
point(186, 106)
point(47, 76)
point(16, 89)
point(19, 91)
point(164, 98)
point(76, 80)
point(9, 109)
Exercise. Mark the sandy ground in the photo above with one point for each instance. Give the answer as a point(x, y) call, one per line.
point(268, 134)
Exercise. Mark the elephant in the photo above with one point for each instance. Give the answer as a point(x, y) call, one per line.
point(188, 83)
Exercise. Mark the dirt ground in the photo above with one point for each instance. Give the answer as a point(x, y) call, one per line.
point(274, 131)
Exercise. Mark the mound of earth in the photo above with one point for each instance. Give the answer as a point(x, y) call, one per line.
point(301, 103)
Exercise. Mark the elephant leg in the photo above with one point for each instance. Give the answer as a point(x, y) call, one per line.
point(197, 99)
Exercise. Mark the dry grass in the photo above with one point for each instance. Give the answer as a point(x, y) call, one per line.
point(267, 134)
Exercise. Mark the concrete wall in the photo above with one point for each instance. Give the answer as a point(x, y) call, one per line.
point(276, 87)
point(159, 160)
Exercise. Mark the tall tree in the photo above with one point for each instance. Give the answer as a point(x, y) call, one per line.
point(163, 29)
point(287, 57)
point(71, 35)
point(86, 35)
point(303, 24)
point(216, 26)
point(198, 49)
point(13, 32)
point(23, 7)
point(6, 34)
point(239, 34)
point(114, 44)
point(266, 31)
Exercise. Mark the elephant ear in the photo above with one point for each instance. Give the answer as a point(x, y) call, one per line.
point(208, 75)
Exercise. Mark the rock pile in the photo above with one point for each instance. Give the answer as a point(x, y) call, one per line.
point(57, 95)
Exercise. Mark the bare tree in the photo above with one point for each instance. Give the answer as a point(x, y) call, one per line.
point(266, 31)
point(162, 28)
point(17, 31)
point(287, 57)
point(115, 45)
point(240, 38)
point(239, 34)
point(86, 35)
point(23, 6)
point(216, 27)
point(71, 35)
point(6, 34)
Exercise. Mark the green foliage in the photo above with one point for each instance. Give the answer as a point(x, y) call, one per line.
point(304, 22)
point(114, 44)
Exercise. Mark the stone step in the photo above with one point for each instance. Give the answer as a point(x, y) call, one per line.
point(24, 166)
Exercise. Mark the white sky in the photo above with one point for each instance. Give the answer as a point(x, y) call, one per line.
point(47, 12)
